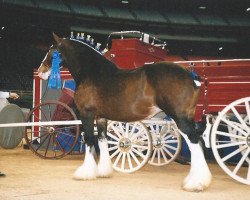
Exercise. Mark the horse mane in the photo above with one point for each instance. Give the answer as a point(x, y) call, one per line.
point(89, 60)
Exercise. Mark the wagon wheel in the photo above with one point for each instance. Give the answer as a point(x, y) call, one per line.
point(130, 145)
point(53, 141)
point(231, 136)
point(166, 142)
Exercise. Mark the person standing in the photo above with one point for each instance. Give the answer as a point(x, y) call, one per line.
point(5, 95)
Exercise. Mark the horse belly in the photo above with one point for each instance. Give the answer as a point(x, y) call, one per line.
point(154, 110)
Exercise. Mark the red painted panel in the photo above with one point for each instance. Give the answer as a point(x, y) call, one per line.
point(133, 53)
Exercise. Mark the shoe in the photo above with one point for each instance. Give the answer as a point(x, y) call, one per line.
point(2, 175)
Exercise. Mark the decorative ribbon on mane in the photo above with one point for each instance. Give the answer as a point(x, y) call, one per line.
point(55, 81)
point(196, 79)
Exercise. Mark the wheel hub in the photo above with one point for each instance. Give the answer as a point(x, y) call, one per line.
point(125, 144)
point(248, 140)
point(158, 143)
point(51, 130)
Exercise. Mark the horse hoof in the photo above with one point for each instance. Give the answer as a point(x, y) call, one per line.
point(192, 184)
point(105, 174)
point(104, 171)
point(83, 174)
point(192, 188)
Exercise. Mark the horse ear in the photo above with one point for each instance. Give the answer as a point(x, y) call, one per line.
point(57, 38)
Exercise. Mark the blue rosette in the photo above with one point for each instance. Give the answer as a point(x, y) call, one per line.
point(55, 81)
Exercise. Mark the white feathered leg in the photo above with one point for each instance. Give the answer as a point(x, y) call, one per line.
point(199, 177)
point(104, 167)
point(88, 170)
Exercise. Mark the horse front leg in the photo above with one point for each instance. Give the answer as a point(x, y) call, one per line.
point(88, 170)
point(104, 167)
point(199, 177)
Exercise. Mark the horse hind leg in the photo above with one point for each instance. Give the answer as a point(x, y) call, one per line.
point(199, 177)
point(88, 170)
point(104, 166)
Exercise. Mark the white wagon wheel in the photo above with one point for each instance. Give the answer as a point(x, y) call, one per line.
point(231, 136)
point(166, 142)
point(130, 145)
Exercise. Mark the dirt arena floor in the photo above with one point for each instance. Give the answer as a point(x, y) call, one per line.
point(31, 178)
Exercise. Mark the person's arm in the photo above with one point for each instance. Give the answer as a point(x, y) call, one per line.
point(13, 95)
point(5, 95)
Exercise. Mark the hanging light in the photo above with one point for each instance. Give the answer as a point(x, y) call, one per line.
point(124, 1)
point(203, 7)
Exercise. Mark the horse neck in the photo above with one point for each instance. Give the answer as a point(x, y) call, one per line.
point(83, 62)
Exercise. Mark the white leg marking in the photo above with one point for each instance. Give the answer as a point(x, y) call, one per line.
point(105, 168)
point(88, 170)
point(199, 176)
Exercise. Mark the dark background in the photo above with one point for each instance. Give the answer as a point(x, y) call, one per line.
point(217, 28)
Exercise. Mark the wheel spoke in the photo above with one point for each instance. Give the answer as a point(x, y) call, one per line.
point(113, 148)
point(115, 153)
point(168, 152)
point(248, 110)
point(137, 135)
point(138, 153)
point(230, 135)
point(140, 147)
point(134, 157)
point(46, 150)
point(167, 137)
point(42, 142)
point(141, 139)
point(121, 129)
point(230, 123)
point(236, 169)
point(153, 156)
point(117, 158)
point(113, 136)
point(50, 117)
point(117, 133)
point(159, 156)
point(229, 144)
point(170, 141)
point(234, 153)
point(239, 117)
point(164, 156)
point(129, 161)
point(132, 130)
point(127, 130)
point(112, 142)
point(42, 112)
point(170, 147)
point(123, 160)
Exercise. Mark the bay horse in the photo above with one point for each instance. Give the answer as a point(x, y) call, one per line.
point(105, 92)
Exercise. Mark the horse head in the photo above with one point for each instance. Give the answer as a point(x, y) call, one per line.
point(81, 59)
point(44, 69)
